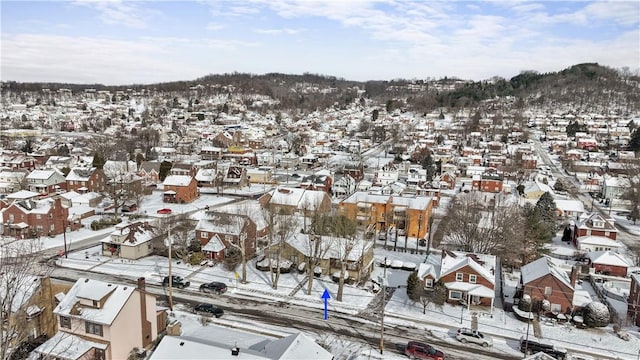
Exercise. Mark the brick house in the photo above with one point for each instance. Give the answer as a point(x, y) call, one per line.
point(33, 218)
point(101, 320)
point(594, 225)
point(17, 161)
point(46, 181)
point(179, 189)
point(150, 172)
point(608, 263)
point(86, 179)
point(318, 181)
point(488, 182)
point(218, 232)
point(633, 300)
point(542, 279)
point(468, 278)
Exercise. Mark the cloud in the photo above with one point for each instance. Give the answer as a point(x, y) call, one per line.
point(214, 26)
point(279, 31)
point(42, 57)
point(116, 12)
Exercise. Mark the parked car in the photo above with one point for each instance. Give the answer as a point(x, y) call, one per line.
point(466, 335)
point(209, 310)
point(420, 350)
point(214, 287)
point(164, 211)
point(533, 345)
point(176, 281)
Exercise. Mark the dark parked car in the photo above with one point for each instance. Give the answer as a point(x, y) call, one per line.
point(213, 287)
point(534, 345)
point(420, 350)
point(176, 281)
point(208, 309)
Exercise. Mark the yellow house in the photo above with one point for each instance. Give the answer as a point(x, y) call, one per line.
point(30, 301)
point(383, 212)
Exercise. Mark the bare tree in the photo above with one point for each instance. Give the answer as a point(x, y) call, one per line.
point(282, 227)
point(472, 226)
point(17, 279)
point(346, 241)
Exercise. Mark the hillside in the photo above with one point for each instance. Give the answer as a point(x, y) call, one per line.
point(585, 87)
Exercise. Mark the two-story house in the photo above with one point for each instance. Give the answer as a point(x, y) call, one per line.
point(11, 181)
point(46, 181)
point(179, 189)
point(26, 308)
point(633, 300)
point(32, 218)
point(593, 224)
point(86, 179)
point(357, 253)
point(542, 280)
point(150, 172)
point(468, 278)
point(218, 232)
point(100, 320)
point(296, 200)
point(129, 241)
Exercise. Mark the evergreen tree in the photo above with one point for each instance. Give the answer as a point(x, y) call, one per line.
point(414, 288)
point(634, 142)
point(165, 166)
point(98, 161)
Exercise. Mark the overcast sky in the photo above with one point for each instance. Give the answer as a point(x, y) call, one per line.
point(125, 42)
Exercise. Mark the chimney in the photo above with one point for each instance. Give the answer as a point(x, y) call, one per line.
point(235, 351)
point(141, 283)
point(573, 277)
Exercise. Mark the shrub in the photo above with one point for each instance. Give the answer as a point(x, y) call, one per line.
point(596, 314)
point(232, 259)
point(195, 258)
point(525, 303)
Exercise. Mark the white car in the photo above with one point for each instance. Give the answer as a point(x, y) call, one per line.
point(465, 335)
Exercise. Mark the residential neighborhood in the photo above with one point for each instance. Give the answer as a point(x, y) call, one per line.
point(133, 201)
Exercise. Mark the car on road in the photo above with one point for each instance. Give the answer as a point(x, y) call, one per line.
point(466, 335)
point(208, 310)
point(214, 287)
point(420, 350)
point(532, 345)
point(176, 281)
point(165, 211)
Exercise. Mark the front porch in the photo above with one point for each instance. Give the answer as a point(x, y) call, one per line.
point(471, 296)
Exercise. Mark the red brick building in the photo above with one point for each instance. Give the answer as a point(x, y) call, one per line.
point(37, 218)
point(218, 232)
point(86, 179)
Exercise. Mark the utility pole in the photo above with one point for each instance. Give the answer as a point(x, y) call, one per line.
point(384, 295)
point(170, 277)
point(64, 236)
point(419, 228)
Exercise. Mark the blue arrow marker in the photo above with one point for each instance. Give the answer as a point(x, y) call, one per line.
point(326, 296)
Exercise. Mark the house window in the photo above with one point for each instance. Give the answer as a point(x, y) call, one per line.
point(99, 354)
point(607, 233)
point(428, 283)
point(547, 290)
point(455, 295)
point(459, 276)
point(65, 322)
point(38, 216)
point(203, 235)
point(473, 278)
point(93, 328)
point(588, 232)
point(556, 308)
point(52, 227)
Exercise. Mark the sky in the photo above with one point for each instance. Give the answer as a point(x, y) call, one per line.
point(142, 42)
